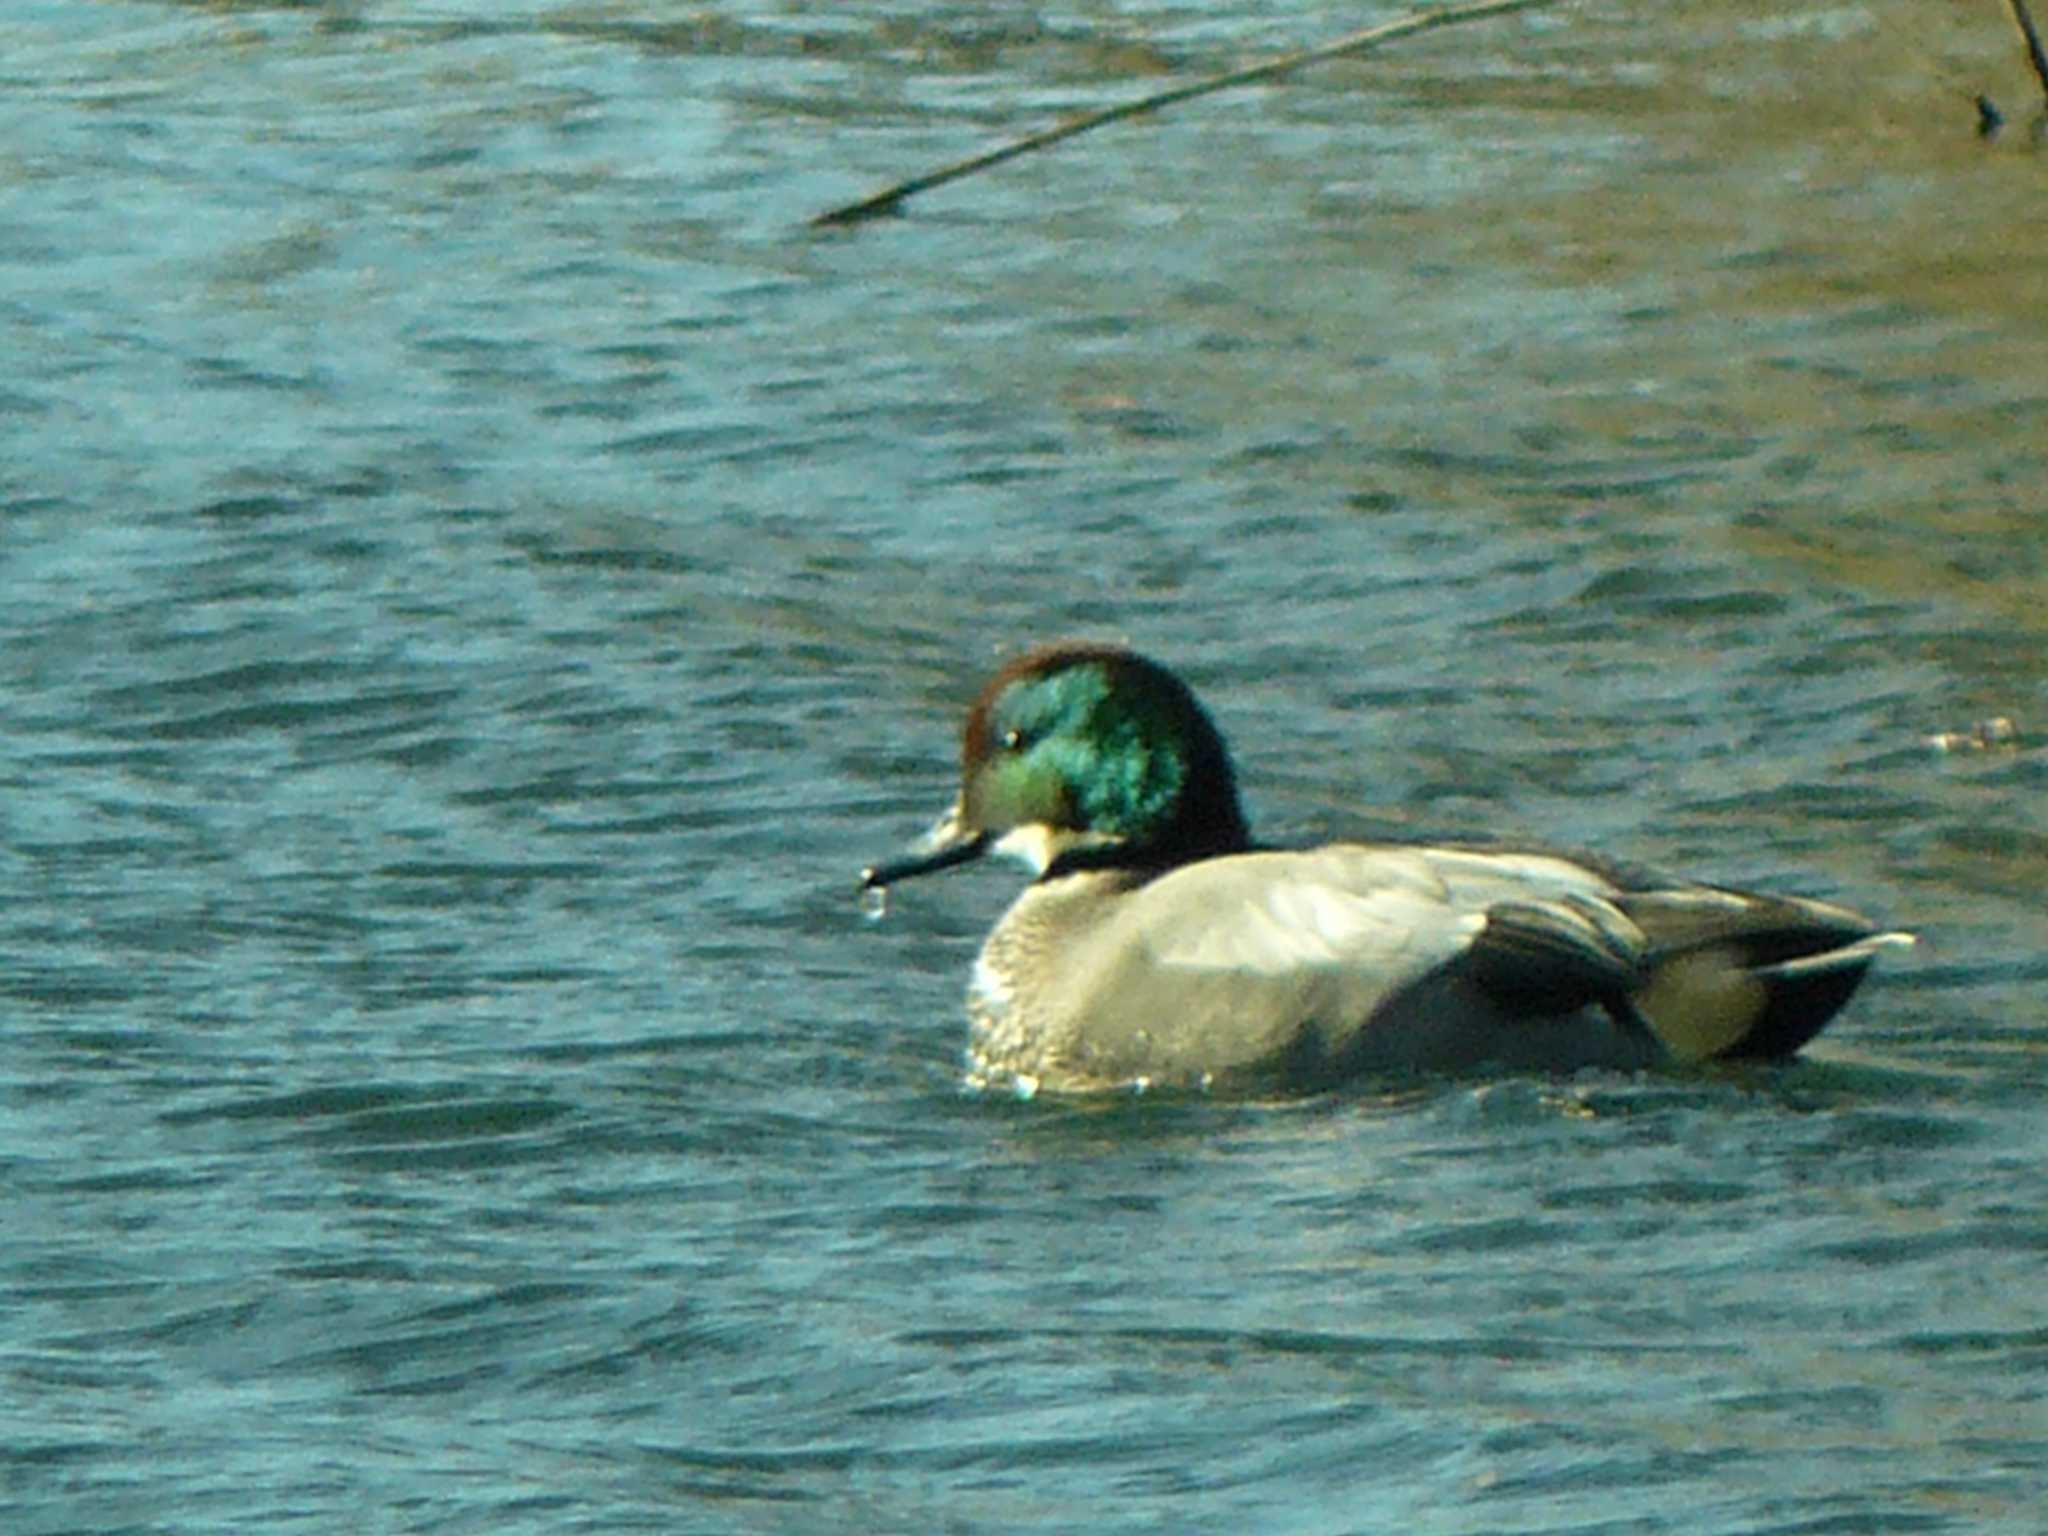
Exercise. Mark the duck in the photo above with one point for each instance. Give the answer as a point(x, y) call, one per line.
point(1157, 946)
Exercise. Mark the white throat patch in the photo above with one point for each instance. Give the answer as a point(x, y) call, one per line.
point(1035, 845)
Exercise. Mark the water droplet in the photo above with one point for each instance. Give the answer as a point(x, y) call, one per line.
point(874, 903)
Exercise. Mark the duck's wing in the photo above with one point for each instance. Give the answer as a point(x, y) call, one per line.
point(1355, 957)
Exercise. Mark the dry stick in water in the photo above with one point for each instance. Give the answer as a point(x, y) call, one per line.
point(2032, 38)
point(886, 200)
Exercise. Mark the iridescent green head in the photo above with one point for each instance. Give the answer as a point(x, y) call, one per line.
point(1079, 753)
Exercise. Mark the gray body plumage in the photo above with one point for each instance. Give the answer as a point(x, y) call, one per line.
point(1297, 970)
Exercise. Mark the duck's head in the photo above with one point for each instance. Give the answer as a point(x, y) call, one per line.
point(1080, 754)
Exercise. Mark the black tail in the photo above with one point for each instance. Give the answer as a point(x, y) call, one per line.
point(1802, 993)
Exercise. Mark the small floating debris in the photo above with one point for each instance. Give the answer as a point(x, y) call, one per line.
point(874, 902)
point(1994, 733)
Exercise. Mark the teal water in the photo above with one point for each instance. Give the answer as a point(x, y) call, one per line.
point(482, 579)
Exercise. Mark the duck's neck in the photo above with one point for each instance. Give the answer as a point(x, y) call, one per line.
point(1188, 840)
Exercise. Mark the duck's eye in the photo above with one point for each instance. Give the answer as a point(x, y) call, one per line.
point(1013, 740)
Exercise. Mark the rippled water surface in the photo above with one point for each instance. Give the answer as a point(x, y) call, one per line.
point(482, 577)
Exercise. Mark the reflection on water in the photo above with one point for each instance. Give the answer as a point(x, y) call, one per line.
point(481, 576)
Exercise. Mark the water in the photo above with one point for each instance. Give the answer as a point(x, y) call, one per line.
point(482, 580)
